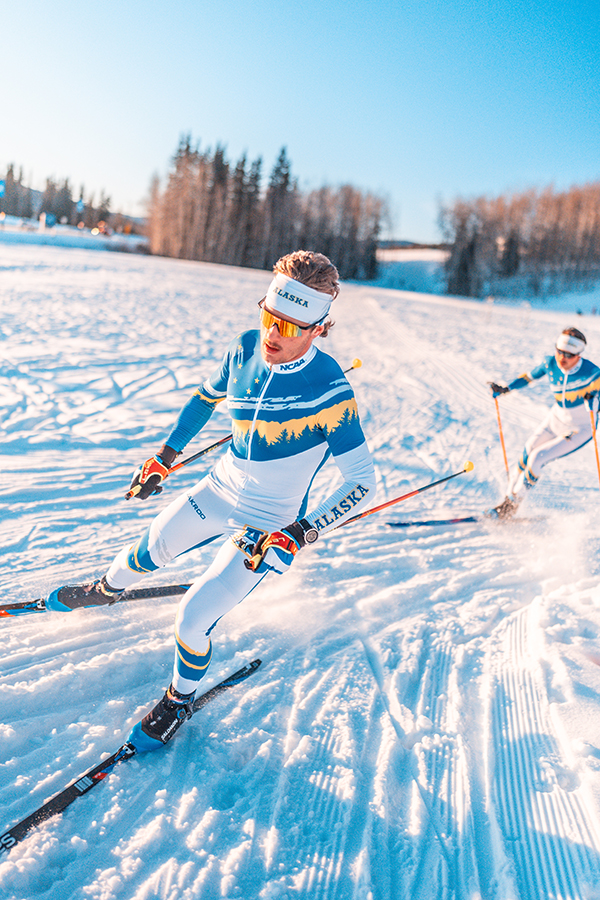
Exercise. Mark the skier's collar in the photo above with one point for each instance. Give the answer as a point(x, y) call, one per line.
point(296, 364)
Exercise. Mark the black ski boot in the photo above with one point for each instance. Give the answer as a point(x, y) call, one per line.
point(77, 596)
point(158, 726)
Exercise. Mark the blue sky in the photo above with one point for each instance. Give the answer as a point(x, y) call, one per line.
point(418, 100)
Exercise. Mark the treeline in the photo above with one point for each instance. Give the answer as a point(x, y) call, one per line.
point(536, 242)
point(57, 201)
point(213, 210)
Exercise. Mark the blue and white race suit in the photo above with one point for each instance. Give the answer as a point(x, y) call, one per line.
point(567, 426)
point(287, 419)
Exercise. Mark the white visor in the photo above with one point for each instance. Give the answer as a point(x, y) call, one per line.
point(570, 344)
point(295, 300)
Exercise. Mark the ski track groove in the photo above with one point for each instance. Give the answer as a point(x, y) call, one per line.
point(442, 779)
point(319, 777)
point(554, 843)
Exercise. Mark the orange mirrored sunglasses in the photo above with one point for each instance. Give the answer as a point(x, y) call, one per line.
point(285, 328)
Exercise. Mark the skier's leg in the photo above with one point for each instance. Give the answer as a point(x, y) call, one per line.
point(521, 471)
point(542, 454)
point(193, 519)
point(222, 586)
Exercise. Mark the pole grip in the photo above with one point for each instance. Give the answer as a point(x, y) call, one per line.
point(254, 561)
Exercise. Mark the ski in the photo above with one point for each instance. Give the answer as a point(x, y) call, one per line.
point(422, 522)
point(418, 523)
point(98, 773)
point(39, 605)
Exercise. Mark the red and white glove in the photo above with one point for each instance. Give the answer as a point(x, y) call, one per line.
point(148, 479)
point(285, 544)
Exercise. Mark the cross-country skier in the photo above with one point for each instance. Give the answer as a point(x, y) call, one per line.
point(291, 407)
point(566, 428)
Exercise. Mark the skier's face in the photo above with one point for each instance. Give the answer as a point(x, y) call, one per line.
point(566, 360)
point(277, 349)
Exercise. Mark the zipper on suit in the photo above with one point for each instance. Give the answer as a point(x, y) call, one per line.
point(255, 416)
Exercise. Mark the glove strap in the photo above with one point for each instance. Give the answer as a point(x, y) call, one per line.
point(281, 540)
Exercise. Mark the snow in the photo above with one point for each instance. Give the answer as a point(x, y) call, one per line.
point(426, 721)
point(14, 230)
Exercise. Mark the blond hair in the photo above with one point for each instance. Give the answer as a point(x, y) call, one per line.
point(311, 269)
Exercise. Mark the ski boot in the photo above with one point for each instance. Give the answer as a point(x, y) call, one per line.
point(504, 510)
point(77, 596)
point(158, 726)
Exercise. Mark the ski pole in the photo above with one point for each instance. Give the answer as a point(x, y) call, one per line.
point(501, 436)
point(590, 407)
point(468, 467)
point(185, 462)
point(356, 364)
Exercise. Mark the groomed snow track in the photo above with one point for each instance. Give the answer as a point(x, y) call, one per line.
point(547, 825)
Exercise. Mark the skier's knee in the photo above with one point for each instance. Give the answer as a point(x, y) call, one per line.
point(138, 558)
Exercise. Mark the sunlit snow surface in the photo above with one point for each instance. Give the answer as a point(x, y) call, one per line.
point(426, 722)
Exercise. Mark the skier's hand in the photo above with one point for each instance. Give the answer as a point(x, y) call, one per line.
point(284, 544)
point(147, 480)
point(498, 389)
point(590, 395)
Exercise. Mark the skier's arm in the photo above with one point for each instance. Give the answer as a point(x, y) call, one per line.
point(520, 382)
point(201, 405)
point(194, 415)
point(527, 377)
point(357, 491)
point(592, 391)
point(148, 479)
